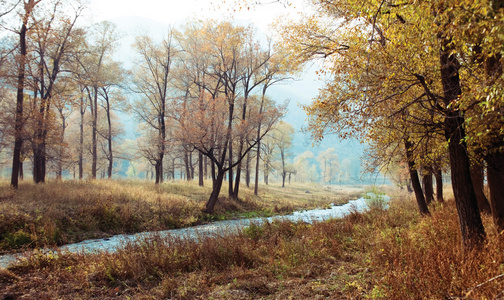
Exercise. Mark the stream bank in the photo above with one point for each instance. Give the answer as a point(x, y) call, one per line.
point(218, 228)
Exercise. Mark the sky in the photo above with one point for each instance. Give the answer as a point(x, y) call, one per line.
point(175, 11)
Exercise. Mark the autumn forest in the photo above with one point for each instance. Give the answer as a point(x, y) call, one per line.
point(419, 83)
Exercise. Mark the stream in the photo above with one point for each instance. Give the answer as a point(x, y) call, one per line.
point(218, 228)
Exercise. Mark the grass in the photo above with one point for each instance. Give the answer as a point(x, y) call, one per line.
point(379, 254)
point(58, 213)
point(375, 198)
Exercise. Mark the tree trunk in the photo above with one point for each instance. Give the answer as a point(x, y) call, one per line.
point(109, 138)
point(495, 176)
point(205, 164)
point(39, 164)
point(415, 180)
point(173, 168)
point(39, 147)
point(161, 144)
point(40, 156)
point(187, 167)
point(282, 155)
point(439, 184)
point(247, 170)
point(471, 226)
point(158, 168)
point(258, 160)
point(18, 123)
point(214, 196)
point(111, 161)
point(191, 165)
point(428, 187)
point(477, 177)
point(237, 178)
point(230, 176)
point(94, 123)
point(212, 170)
point(61, 148)
point(81, 139)
point(200, 170)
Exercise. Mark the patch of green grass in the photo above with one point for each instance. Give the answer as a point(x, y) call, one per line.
point(375, 198)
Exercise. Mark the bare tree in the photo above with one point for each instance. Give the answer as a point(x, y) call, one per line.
point(152, 77)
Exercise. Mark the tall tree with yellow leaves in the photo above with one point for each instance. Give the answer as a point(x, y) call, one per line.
point(402, 62)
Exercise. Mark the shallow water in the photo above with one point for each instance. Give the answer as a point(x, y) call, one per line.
point(218, 228)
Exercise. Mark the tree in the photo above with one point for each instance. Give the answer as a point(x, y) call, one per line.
point(215, 126)
point(29, 6)
point(82, 112)
point(111, 97)
point(483, 57)
point(209, 132)
point(274, 71)
point(415, 180)
point(282, 136)
point(329, 165)
point(415, 52)
point(267, 156)
point(98, 74)
point(53, 39)
point(305, 170)
point(193, 66)
point(63, 102)
point(152, 76)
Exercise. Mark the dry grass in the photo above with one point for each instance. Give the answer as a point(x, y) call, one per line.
point(61, 212)
point(393, 254)
point(58, 213)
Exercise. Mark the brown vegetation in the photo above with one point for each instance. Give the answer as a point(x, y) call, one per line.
point(58, 213)
point(393, 254)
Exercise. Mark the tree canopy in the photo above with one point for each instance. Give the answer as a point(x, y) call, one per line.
point(422, 74)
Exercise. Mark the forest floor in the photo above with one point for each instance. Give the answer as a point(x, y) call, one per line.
point(378, 254)
point(58, 213)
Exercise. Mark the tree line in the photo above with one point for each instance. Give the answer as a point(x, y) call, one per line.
point(200, 94)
